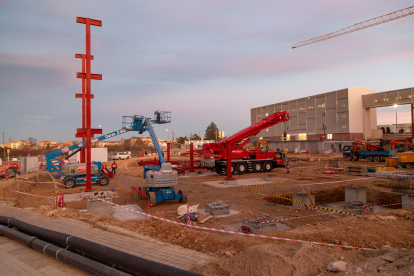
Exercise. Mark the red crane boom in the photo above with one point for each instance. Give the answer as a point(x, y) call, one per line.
point(249, 132)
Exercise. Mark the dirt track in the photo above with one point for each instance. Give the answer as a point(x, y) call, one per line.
point(238, 255)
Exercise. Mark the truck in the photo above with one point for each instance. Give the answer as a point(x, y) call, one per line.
point(406, 159)
point(365, 151)
point(244, 161)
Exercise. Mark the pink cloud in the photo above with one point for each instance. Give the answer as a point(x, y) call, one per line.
point(37, 72)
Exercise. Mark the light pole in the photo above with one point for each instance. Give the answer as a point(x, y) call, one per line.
point(101, 142)
point(396, 125)
point(168, 135)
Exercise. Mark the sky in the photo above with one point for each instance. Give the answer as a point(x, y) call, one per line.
point(205, 61)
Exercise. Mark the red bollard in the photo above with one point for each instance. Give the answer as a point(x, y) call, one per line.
point(191, 158)
point(229, 151)
point(168, 152)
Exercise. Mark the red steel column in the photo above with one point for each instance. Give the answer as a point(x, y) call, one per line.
point(168, 152)
point(229, 150)
point(191, 158)
point(88, 105)
point(412, 123)
point(88, 76)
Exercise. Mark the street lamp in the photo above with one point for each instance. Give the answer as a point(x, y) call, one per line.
point(168, 135)
point(101, 142)
point(396, 125)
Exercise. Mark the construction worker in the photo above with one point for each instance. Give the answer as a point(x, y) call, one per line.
point(114, 166)
point(103, 167)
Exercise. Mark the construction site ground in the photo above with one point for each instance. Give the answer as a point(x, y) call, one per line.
point(389, 232)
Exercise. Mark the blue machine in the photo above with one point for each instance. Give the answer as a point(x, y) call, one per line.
point(160, 180)
point(159, 185)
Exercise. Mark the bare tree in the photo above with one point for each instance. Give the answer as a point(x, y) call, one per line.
point(32, 141)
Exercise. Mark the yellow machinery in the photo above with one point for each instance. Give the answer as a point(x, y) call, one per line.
point(259, 145)
point(406, 159)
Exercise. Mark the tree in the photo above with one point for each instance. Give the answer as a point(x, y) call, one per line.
point(195, 137)
point(32, 141)
point(181, 140)
point(211, 132)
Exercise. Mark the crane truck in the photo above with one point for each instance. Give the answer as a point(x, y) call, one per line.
point(244, 161)
point(362, 150)
point(160, 180)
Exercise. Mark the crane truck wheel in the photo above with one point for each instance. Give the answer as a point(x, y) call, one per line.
point(370, 159)
point(257, 167)
point(103, 180)
point(377, 159)
point(241, 168)
point(69, 182)
point(267, 167)
point(152, 198)
point(183, 196)
point(408, 166)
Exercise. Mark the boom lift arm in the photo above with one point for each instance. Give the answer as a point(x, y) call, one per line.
point(139, 123)
point(250, 132)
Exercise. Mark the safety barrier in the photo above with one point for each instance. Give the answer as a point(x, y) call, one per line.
point(302, 203)
point(236, 233)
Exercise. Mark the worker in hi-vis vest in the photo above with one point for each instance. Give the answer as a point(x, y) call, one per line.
point(114, 166)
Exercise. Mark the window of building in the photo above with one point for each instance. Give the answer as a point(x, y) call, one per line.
point(267, 129)
point(343, 126)
point(287, 137)
point(329, 136)
point(302, 136)
point(267, 114)
point(321, 105)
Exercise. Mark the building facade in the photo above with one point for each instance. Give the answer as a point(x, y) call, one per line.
point(336, 115)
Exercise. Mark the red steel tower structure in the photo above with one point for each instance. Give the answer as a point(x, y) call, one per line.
point(86, 133)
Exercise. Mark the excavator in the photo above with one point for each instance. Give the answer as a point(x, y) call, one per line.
point(259, 144)
point(393, 142)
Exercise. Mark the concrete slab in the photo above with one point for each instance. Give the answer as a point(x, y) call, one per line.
point(232, 213)
point(407, 198)
point(122, 214)
point(196, 174)
point(81, 196)
point(99, 207)
point(240, 182)
point(265, 228)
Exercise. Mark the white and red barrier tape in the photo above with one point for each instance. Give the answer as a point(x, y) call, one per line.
point(32, 194)
point(237, 233)
point(322, 183)
point(165, 212)
point(52, 182)
point(275, 220)
point(370, 207)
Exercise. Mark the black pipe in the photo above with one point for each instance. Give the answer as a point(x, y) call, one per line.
point(123, 261)
point(16, 235)
point(60, 253)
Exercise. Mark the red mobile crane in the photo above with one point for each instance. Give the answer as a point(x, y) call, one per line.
point(243, 161)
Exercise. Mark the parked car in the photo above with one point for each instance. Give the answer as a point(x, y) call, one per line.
point(120, 155)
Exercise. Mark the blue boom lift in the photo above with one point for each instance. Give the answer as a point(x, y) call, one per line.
point(160, 180)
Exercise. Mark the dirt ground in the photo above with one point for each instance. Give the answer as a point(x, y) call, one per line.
point(389, 232)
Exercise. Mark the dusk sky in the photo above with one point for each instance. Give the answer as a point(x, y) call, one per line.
point(205, 61)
